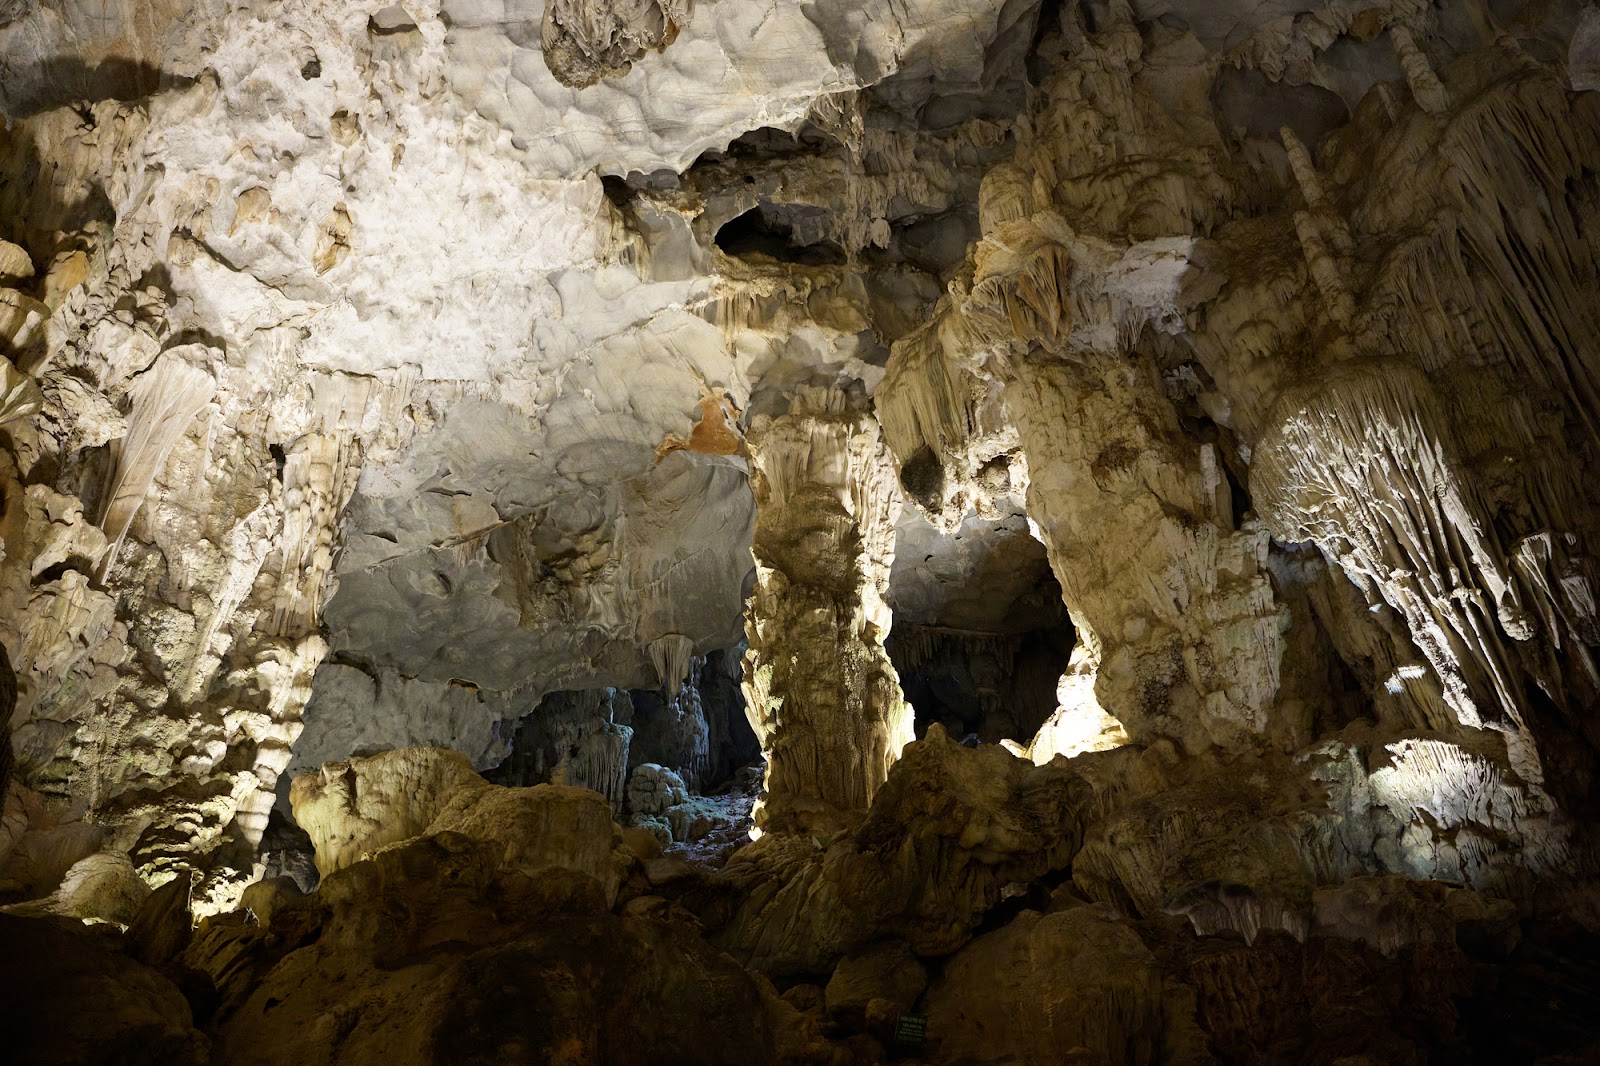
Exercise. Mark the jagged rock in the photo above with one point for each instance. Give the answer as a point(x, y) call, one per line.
point(162, 928)
point(586, 40)
point(101, 887)
point(19, 393)
point(887, 973)
point(355, 809)
point(950, 827)
point(15, 265)
point(8, 703)
point(1388, 913)
point(661, 806)
point(266, 896)
point(484, 962)
point(66, 996)
point(575, 738)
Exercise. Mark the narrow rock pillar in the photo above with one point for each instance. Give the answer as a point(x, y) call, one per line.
point(820, 690)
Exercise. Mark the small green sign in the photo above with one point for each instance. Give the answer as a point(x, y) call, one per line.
point(910, 1030)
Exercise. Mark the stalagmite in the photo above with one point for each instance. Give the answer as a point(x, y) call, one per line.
point(819, 688)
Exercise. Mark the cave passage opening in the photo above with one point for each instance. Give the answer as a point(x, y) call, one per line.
point(683, 766)
point(779, 234)
point(987, 685)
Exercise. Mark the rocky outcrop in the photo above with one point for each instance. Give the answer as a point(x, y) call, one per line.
point(585, 40)
point(355, 809)
point(70, 996)
point(948, 830)
point(469, 960)
point(1074, 986)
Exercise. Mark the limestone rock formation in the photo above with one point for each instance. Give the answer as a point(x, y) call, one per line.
point(948, 830)
point(478, 962)
point(355, 809)
point(70, 997)
point(1111, 486)
point(820, 689)
point(1067, 987)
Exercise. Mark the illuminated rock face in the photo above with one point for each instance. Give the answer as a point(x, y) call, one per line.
point(819, 687)
point(1181, 417)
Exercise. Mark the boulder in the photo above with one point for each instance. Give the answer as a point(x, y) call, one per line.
point(435, 952)
point(101, 887)
point(353, 810)
point(887, 972)
point(67, 996)
point(1072, 987)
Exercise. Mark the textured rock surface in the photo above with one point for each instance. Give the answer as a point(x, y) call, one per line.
point(948, 830)
point(355, 809)
point(1192, 407)
point(1065, 987)
point(819, 687)
point(72, 997)
point(475, 962)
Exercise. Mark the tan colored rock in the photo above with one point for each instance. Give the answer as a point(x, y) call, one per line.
point(1072, 987)
point(435, 950)
point(586, 40)
point(950, 828)
point(66, 272)
point(103, 887)
point(15, 264)
point(22, 319)
point(70, 997)
point(264, 898)
point(333, 240)
point(356, 809)
point(819, 687)
point(886, 972)
point(352, 809)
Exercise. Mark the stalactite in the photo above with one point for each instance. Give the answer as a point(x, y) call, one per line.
point(1365, 466)
point(573, 738)
point(1324, 270)
point(165, 400)
point(319, 475)
point(1426, 88)
point(670, 654)
point(918, 646)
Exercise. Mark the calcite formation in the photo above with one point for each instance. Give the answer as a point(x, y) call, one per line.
point(819, 687)
point(1113, 484)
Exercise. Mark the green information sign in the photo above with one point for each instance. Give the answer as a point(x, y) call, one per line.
point(910, 1030)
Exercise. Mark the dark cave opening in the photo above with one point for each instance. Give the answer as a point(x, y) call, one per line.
point(762, 232)
point(987, 686)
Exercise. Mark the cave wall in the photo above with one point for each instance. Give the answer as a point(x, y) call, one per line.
point(371, 377)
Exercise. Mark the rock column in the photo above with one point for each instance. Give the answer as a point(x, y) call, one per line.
point(820, 690)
